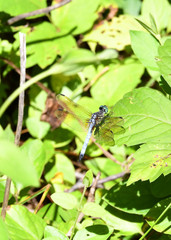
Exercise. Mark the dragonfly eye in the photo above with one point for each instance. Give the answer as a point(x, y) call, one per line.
point(103, 108)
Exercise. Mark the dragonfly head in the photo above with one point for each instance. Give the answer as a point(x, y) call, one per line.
point(104, 109)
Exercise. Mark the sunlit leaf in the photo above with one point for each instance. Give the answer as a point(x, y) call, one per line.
point(82, 16)
point(11, 157)
point(95, 210)
point(116, 82)
point(34, 149)
point(65, 200)
point(151, 160)
point(163, 225)
point(145, 47)
point(147, 117)
point(88, 178)
point(115, 33)
point(37, 128)
point(164, 59)
point(54, 233)
point(156, 8)
point(130, 199)
point(18, 7)
point(19, 221)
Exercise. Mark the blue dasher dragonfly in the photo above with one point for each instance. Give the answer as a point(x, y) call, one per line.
point(104, 124)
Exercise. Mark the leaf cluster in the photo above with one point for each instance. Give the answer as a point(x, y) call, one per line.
point(115, 53)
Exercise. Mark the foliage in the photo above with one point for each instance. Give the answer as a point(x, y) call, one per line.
point(111, 52)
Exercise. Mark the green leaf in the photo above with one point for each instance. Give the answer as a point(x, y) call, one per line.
point(94, 232)
point(16, 165)
point(151, 160)
point(116, 82)
point(164, 59)
point(37, 99)
point(107, 54)
point(113, 34)
point(95, 210)
point(65, 200)
point(147, 117)
point(149, 29)
point(45, 53)
point(104, 165)
point(3, 230)
point(58, 217)
point(145, 47)
point(35, 151)
point(82, 16)
point(77, 59)
point(132, 7)
point(54, 232)
point(49, 149)
point(44, 46)
point(60, 137)
point(130, 199)
point(22, 224)
point(18, 7)
point(156, 9)
point(64, 165)
point(164, 53)
point(153, 24)
point(7, 134)
point(161, 187)
point(165, 84)
point(164, 223)
point(88, 178)
point(37, 128)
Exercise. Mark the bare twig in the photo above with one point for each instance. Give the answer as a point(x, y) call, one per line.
point(111, 178)
point(22, 81)
point(90, 199)
point(79, 184)
point(20, 116)
point(106, 153)
point(91, 195)
point(104, 70)
point(42, 198)
point(93, 188)
point(37, 12)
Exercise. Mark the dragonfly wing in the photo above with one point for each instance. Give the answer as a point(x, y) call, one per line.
point(72, 113)
point(104, 135)
point(114, 124)
point(106, 130)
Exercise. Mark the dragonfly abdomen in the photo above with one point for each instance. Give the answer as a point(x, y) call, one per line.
point(92, 123)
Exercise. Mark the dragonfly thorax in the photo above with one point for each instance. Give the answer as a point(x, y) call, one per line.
point(98, 116)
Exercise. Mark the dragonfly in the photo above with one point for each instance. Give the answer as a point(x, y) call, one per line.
point(103, 123)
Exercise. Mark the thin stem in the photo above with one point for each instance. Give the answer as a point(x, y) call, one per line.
point(14, 95)
point(20, 115)
point(104, 70)
point(37, 12)
point(78, 213)
point(158, 219)
point(79, 184)
point(48, 186)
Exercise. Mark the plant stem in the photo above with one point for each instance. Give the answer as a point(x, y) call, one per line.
point(78, 213)
point(15, 94)
point(158, 219)
point(20, 115)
